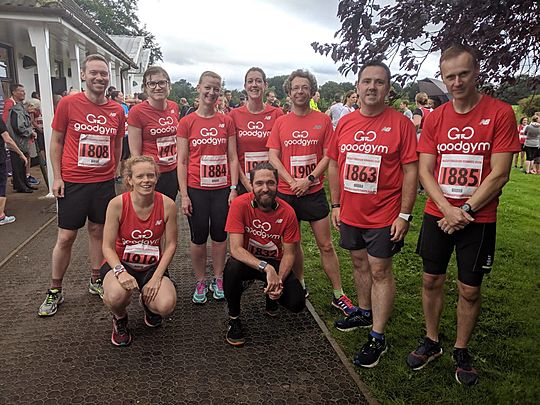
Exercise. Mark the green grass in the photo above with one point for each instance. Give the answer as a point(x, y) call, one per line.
point(505, 344)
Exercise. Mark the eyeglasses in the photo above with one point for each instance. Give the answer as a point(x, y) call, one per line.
point(161, 83)
point(303, 88)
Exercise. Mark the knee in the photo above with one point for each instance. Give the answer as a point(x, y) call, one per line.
point(432, 282)
point(469, 294)
point(381, 274)
point(326, 247)
point(113, 297)
point(297, 305)
point(95, 230)
point(66, 239)
point(166, 305)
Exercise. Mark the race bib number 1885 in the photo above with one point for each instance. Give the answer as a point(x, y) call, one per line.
point(460, 175)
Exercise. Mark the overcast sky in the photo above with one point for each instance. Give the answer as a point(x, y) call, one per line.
point(229, 37)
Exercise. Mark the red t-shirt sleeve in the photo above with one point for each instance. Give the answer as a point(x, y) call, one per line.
point(134, 118)
point(183, 128)
point(121, 124)
point(61, 116)
point(329, 132)
point(332, 151)
point(273, 140)
point(408, 142)
point(427, 142)
point(229, 124)
point(506, 134)
point(292, 230)
point(234, 222)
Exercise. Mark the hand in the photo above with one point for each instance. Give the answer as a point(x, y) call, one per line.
point(446, 228)
point(399, 229)
point(455, 217)
point(275, 295)
point(336, 221)
point(187, 209)
point(302, 187)
point(127, 281)
point(58, 188)
point(151, 288)
point(273, 281)
point(232, 195)
point(24, 159)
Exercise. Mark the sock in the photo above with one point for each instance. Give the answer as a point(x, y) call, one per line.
point(378, 336)
point(303, 283)
point(56, 283)
point(365, 312)
point(338, 293)
point(95, 275)
point(2, 217)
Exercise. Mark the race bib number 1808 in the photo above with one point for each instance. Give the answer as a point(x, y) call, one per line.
point(94, 150)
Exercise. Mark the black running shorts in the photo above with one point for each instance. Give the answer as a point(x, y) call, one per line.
point(142, 277)
point(310, 207)
point(209, 214)
point(375, 240)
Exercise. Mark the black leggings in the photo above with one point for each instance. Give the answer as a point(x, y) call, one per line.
point(236, 272)
point(210, 209)
point(19, 172)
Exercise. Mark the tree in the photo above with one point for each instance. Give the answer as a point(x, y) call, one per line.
point(513, 92)
point(530, 105)
point(276, 84)
point(505, 32)
point(182, 88)
point(119, 17)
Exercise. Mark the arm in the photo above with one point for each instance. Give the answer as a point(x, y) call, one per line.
point(151, 289)
point(117, 151)
point(110, 231)
point(244, 180)
point(183, 161)
point(57, 148)
point(135, 140)
point(287, 261)
point(274, 156)
point(335, 191)
point(417, 120)
point(13, 146)
point(304, 184)
point(454, 216)
point(232, 157)
point(400, 227)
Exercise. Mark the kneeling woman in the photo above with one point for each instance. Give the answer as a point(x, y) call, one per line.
point(139, 241)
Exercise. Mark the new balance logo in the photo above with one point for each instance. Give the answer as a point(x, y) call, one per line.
point(279, 220)
point(317, 126)
point(386, 129)
point(159, 222)
point(268, 117)
point(221, 125)
point(485, 121)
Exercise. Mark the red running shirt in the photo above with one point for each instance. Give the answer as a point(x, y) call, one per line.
point(208, 167)
point(301, 141)
point(463, 144)
point(139, 241)
point(158, 132)
point(8, 105)
point(370, 152)
point(90, 134)
point(252, 131)
point(264, 232)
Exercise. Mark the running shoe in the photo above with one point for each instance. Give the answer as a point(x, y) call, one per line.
point(216, 286)
point(52, 301)
point(427, 351)
point(32, 180)
point(151, 319)
point(355, 320)
point(272, 307)
point(306, 292)
point(96, 287)
point(370, 353)
point(8, 219)
point(344, 304)
point(120, 332)
point(199, 295)
point(465, 373)
point(235, 336)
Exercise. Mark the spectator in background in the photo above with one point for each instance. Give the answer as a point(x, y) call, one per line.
point(228, 96)
point(56, 99)
point(243, 101)
point(184, 107)
point(194, 108)
point(118, 97)
point(404, 106)
point(522, 137)
point(314, 102)
point(335, 110)
point(271, 99)
point(532, 145)
point(348, 103)
point(109, 91)
point(421, 112)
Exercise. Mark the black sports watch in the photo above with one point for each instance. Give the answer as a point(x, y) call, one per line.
point(262, 266)
point(468, 209)
point(311, 178)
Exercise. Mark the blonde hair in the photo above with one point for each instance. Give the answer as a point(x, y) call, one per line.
point(127, 167)
point(421, 98)
point(209, 73)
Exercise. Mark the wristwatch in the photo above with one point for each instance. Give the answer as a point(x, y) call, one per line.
point(311, 178)
point(118, 269)
point(233, 187)
point(262, 266)
point(468, 209)
point(406, 217)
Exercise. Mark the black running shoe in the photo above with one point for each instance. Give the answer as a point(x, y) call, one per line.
point(355, 320)
point(465, 373)
point(427, 351)
point(371, 353)
point(151, 319)
point(272, 308)
point(235, 336)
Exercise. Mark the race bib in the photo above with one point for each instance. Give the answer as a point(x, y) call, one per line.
point(302, 166)
point(268, 250)
point(460, 175)
point(361, 173)
point(166, 150)
point(140, 256)
point(94, 150)
point(213, 170)
point(252, 159)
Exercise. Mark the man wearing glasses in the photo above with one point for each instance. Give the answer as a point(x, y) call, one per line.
point(86, 144)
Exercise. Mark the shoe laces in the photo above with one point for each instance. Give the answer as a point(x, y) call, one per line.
point(234, 325)
point(51, 296)
point(219, 283)
point(121, 325)
point(201, 286)
point(463, 359)
point(345, 300)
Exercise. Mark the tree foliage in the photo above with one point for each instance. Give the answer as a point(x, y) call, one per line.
point(515, 91)
point(276, 84)
point(505, 32)
point(530, 105)
point(119, 17)
point(182, 88)
point(329, 89)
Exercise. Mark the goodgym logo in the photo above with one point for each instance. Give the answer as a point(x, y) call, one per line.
point(255, 125)
point(456, 133)
point(265, 226)
point(209, 132)
point(138, 234)
point(300, 134)
point(93, 119)
point(361, 136)
point(166, 121)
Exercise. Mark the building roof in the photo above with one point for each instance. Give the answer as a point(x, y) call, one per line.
point(69, 11)
point(132, 46)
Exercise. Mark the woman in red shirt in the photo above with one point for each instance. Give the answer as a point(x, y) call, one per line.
point(522, 137)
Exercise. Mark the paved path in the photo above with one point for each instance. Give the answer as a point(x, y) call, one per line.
point(68, 358)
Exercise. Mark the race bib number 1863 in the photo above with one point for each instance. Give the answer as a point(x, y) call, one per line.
point(361, 173)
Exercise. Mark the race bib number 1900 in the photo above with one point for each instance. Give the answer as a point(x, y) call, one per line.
point(213, 170)
point(94, 150)
point(460, 175)
point(361, 173)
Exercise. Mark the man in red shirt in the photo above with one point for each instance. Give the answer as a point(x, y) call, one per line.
point(86, 144)
point(263, 233)
point(373, 176)
point(465, 152)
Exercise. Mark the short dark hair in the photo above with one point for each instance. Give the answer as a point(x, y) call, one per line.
point(255, 69)
point(92, 57)
point(35, 94)
point(305, 74)
point(13, 87)
point(114, 94)
point(155, 70)
point(456, 50)
point(337, 98)
point(375, 63)
point(263, 166)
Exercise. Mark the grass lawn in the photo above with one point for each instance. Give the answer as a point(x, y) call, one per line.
point(505, 342)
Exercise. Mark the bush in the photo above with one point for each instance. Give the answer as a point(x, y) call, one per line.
point(530, 105)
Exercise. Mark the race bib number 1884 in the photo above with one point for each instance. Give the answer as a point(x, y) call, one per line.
point(460, 175)
point(213, 170)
